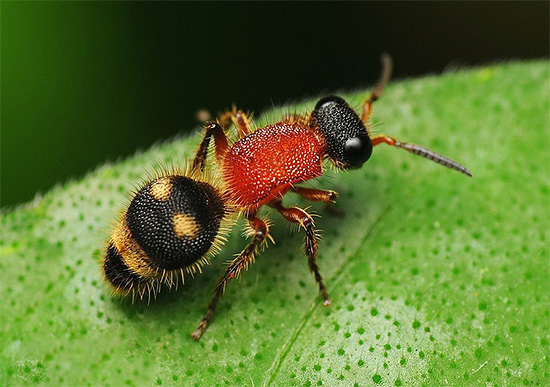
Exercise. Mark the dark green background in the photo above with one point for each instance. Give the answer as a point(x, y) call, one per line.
point(88, 82)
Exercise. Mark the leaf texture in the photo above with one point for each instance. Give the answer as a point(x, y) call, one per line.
point(436, 279)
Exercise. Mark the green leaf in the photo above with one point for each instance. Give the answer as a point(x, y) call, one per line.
point(436, 279)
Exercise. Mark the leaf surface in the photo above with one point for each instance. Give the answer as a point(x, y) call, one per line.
point(436, 279)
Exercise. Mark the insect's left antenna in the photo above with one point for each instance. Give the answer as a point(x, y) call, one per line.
point(434, 156)
point(421, 151)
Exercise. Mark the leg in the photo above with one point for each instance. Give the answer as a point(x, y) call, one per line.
point(377, 92)
point(421, 151)
point(320, 195)
point(316, 195)
point(261, 231)
point(239, 119)
point(220, 140)
point(299, 216)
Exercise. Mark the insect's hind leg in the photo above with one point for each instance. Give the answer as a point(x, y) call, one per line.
point(261, 231)
point(220, 143)
point(239, 118)
point(301, 217)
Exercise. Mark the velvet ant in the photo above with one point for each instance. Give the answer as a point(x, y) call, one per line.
point(175, 222)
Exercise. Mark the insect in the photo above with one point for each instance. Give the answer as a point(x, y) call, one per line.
point(176, 221)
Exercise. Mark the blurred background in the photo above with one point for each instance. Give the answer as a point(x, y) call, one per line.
point(83, 83)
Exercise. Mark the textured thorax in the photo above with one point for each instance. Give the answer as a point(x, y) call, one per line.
point(264, 164)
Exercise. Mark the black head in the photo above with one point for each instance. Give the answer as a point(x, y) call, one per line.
point(348, 142)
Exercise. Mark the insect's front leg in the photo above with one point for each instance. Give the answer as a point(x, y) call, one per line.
point(320, 195)
point(261, 231)
point(316, 195)
point(301, 217)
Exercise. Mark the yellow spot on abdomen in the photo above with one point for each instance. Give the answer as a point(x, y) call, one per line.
point(185, 226)
point(161, 189)
point(132, 254)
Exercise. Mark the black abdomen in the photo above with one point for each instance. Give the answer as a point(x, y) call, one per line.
point(175, 220)
point(170, 225)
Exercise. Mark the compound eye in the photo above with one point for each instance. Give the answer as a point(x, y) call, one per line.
point(357, 149)
point(330, 100)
